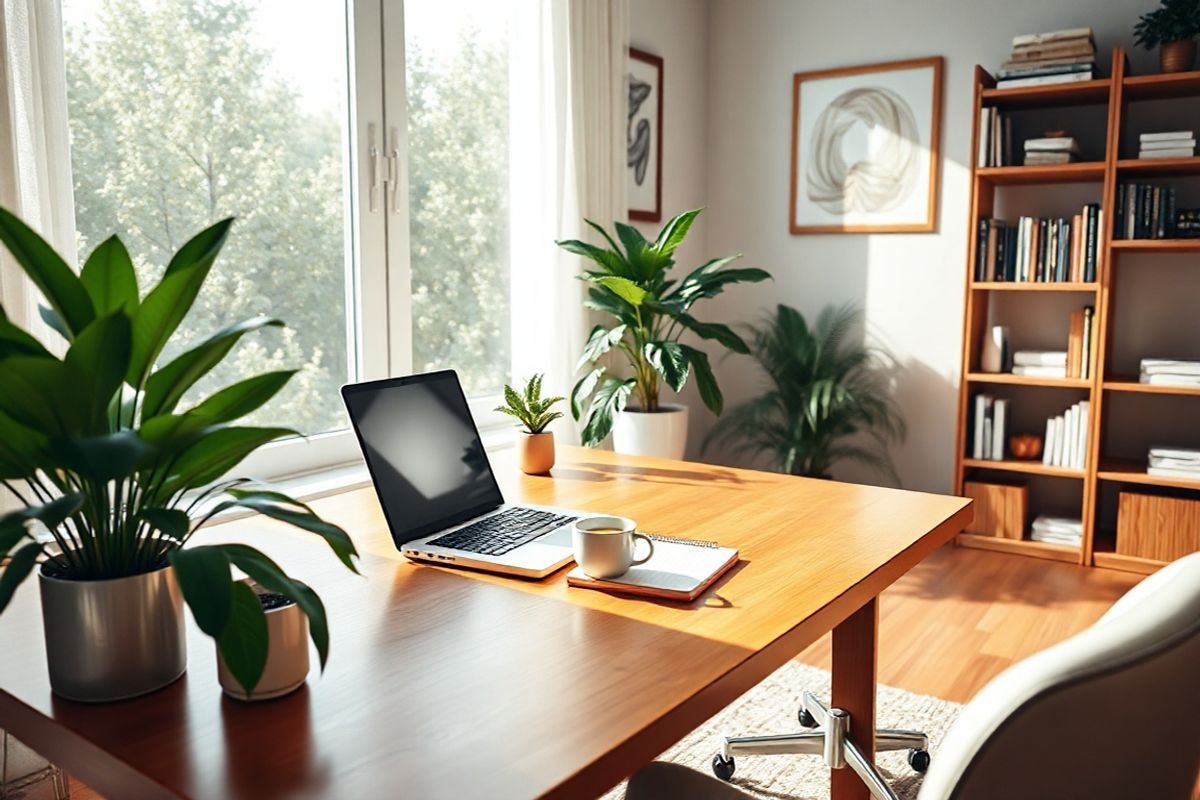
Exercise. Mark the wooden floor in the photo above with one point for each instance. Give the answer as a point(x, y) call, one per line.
point(963, 616)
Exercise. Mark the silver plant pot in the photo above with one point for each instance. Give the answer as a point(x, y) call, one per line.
point(287, 664)
point(113, 639)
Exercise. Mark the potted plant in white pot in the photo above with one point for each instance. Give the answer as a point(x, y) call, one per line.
point(100, 451)
point(1172, 28)
point(535, 444)
point(652, 311)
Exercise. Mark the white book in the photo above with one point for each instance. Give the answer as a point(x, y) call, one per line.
point(1151, 366)
point(1168, 144)
point(1040, 358)
point(1086, 360)
point(1071, 423)
point(1160, 379)
point(1048, 443)
point(985, 137)
point(987, 438)
point(1175, 452)
point(999, 425)
point(1040, 372)
point(1175, 463)
point(983, 403)
point(1026, 39)
point(1053, 144)
point(1171, 472)
point(1045, 80)
point(1060, 437)
point(1167, 362)
point(1184, 152)
point(1166, 136)
point(1085, 411)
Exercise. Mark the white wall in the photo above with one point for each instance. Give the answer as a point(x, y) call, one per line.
point(910, 284)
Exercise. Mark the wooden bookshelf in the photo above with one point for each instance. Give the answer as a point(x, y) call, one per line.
point(1115, 93)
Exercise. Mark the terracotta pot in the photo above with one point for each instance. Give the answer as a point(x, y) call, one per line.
point(1177, 56)
point(535, 452)
point(661, 433)
point(287, 655)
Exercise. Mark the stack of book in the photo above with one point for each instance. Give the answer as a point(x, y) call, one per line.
point(1066, 438)
point(1175, 144)
point(991, 423)
point(1174, 462)
point(1054, 57)
point(1187, 224)
point(1057, 530)
point(1040, 363)
point(1051, 150)
point(995, 139)
point(1169, 372)
point(1144, 212)
point(1048, 250)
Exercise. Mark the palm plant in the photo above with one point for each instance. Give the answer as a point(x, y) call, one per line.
point(823, 388)
point(529, 407)
point(98, 449)
point(630, 283)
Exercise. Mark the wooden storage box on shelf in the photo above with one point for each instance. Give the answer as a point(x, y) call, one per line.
point(999, 508)
point(1162, 527)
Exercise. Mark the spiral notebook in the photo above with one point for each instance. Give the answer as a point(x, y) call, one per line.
point(680, 569)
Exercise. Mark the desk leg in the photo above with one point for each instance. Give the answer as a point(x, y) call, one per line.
point(854, 651)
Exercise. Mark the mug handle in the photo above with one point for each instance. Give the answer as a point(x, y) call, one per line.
point(650, 552)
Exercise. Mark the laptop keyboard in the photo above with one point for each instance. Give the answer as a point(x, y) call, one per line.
point(500, 533)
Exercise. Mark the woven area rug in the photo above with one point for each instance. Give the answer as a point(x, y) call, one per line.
point(771, 708)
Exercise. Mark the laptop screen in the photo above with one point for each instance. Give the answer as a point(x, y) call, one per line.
point(423, 451)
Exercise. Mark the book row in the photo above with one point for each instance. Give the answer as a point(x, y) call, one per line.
point(1066, 438)
point(1145, 211)
point(1043, 250)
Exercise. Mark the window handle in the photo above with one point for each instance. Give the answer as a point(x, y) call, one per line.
point(394, 171)
point(372, 169)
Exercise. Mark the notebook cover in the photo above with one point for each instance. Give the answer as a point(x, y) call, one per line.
point(676, 571)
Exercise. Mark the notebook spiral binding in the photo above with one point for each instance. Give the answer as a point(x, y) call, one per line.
point(677, 540)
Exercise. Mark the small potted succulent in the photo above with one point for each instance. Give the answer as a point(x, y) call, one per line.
point(1172, 28)
point(535, 444)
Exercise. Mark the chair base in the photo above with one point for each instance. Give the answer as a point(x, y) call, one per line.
point(829, 739)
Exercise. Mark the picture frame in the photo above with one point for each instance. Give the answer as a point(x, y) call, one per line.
point(644, 136)
point(865, 154)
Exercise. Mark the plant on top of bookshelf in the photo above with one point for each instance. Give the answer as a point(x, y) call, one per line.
point(827, 397)
point(1172, 27)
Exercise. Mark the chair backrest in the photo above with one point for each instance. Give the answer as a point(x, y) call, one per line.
point(1113, 712)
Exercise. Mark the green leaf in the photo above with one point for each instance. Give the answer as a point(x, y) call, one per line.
point(206, 582)
point(100, 353)
point(669, 359)
point(43, 394)
point(50, 514)
point(171, 522)
point(100, 458)
point(48, 271)
point(635, 244)
point(606, 302)
point(600, 229)
point(599, 342)
point(583, 389)
point(22, 449)
point(236, 401)
point(18, 570)
point(218, 452)
point(166, 386)
point(168, 303)
point(612, 262)
point(624, 288)
point(706, 382)
point(712, 284)
point(608, 401)
point(714, 331)
point(673, 233)
point(55, 322)
point(109, 278)
point(267, 504)
point(16, 342)
point(267, 574)
point(244, 641)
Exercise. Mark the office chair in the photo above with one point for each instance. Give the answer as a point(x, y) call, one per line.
point(1113, 712)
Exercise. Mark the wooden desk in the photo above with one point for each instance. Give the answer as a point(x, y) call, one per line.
point(450, 684)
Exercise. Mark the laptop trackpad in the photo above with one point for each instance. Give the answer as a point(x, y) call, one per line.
point(560, 537)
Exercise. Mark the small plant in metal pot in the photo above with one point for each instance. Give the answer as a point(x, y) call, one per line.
point(118, 472)
point(535, 444)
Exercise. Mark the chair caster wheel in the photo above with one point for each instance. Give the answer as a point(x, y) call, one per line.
point(722, 767)
point(918, 760)
point(807, 720)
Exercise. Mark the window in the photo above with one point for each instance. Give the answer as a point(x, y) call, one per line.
point(186, 111)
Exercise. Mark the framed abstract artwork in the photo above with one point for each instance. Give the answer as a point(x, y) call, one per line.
point(865, 148)
point(643, 132)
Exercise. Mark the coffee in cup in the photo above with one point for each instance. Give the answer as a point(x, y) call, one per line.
point(605, 546)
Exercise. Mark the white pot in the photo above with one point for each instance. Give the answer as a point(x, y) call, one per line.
point(662, 433)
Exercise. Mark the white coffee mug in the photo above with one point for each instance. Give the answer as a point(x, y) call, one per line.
point(604, 546)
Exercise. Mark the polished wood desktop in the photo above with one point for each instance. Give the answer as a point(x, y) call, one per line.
point(446, 683)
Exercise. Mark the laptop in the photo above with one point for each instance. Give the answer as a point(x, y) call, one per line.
point(436, 486)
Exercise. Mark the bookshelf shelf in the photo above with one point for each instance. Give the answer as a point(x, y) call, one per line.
point(1158, 167)
point(1025, 547)
point(1033, 286)
point(1082, 93)
point(1027, 380)
point(1161, 87)
point(1127, 471)
point(1132, 385)
point(1156, 245)
point(1079, 172)
point(1111, 560)
point(1026, 467)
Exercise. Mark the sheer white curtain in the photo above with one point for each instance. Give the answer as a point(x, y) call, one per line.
point(567, 156)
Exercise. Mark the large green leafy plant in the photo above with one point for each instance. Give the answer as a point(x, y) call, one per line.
point(651, 312)
point(824, 387)
point(99, 450)
point(1172, 21)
